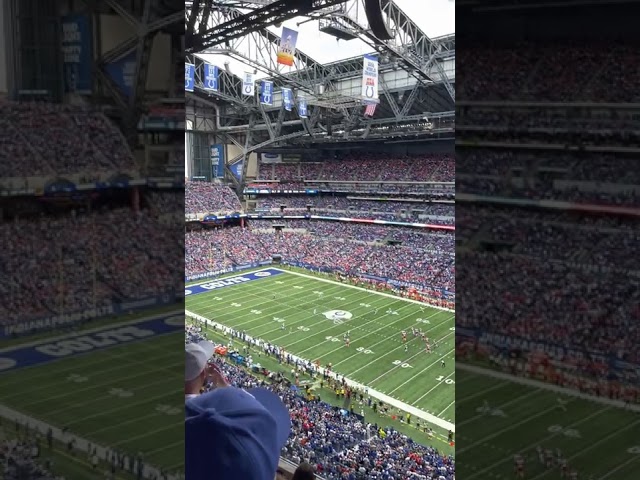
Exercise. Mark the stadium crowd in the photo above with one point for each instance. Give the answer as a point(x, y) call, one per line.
point(385, 210)
point(44, 139)
point(579, 315)
point(203, 197)
point(423, 259)
point(550, 175)
point(81, 261)
point(381, 167)
point(339, 446)
point(561, 70)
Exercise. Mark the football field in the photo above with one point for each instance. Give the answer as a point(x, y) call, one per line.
point(308, 316)
point(114, 386)
point(598, 440)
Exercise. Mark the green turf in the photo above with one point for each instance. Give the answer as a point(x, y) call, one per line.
point(125, 397)
point(598, 441)
point(439, 440)
point(376, 357)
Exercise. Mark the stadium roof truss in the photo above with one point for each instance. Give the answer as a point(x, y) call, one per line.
point(147, 17)
point(416, 73)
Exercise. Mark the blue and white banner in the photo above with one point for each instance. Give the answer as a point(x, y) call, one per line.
point(248, 86)
point(80, 343)
point(266, 93)
point(287, 99)
point(77, 53)
point(370, 79)
point(230, 281)
point(236, 169)
point(211, 73)
point(123, 71)
point(217, 160)
point(189, 77)
point(302, 107)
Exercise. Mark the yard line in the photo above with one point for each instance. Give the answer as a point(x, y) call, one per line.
point(145, 434)
point(622, 465)
point(481, 393)
point(106, 384)
point(446, 408)
point(73, 368)
point(529, 447)
point(280, 312)
point(365, 290)
point(141, 388)
point(402, 318)
point(390, 351)
point(502, 406)
point(423, 370)
point(432, 389)
point(590, 447)
point(121, 407)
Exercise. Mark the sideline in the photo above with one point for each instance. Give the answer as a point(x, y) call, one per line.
point(81, 444)
point(545, 386)
point(396, 297)
point(374, 393)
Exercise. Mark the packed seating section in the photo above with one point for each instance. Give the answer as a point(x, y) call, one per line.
point(425, 259)
point(561, 71)
point(73, 263)
point(381, 167)
point(43, 139)
point(203, 197)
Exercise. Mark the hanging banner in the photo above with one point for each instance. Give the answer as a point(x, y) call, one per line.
point(123, 72)
point(370, 79)
point(266, 93)
point(236, 169)
point(287, 99)
point(217, 160)
point(248, 87)
point(77, 53)
point(302, 107)
point(210, 77)
point(287, 48)
point(189, 77)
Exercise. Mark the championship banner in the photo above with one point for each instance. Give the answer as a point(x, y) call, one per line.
point(302, 107)
point(287, 48)
point(287, 99)
point(266, 93)
point(77, 53)
point(189, 77)
point(210, 77)
point(123, 72)
point(370, 79)
point(248, 87)
point(217, 160)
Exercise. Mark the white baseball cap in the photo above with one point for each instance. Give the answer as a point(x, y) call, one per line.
point(197, 356)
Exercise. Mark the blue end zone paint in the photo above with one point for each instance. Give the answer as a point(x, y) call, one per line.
point(21, 357)
point(227, 282)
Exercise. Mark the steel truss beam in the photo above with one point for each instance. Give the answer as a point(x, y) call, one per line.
point(146, 23)
point(274, 12)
